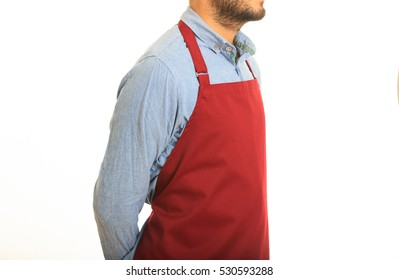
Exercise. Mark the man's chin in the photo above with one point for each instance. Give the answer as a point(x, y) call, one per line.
point(260, 14)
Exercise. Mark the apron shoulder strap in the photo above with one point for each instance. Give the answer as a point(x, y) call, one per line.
point(250, 69)
point(200, 67)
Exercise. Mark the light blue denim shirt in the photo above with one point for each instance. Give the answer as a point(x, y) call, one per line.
point(155, 101)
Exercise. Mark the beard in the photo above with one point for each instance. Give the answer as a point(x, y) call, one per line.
point(232, 14)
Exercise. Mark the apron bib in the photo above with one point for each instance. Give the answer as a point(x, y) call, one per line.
point(210, 197)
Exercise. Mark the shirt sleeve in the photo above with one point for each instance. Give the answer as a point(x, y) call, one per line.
point(141, 126)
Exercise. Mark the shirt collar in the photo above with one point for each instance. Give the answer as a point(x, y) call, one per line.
point(214, 41)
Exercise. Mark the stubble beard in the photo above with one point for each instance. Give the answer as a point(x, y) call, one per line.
point(233, 14)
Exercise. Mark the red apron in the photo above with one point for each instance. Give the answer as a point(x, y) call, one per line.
point(210, 197)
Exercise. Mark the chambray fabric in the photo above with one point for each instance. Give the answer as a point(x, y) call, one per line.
point(155, 101)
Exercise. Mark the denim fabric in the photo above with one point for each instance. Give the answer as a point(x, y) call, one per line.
point(155, 101)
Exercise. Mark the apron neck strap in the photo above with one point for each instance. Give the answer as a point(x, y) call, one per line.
point(250, 69)
point(201, 70)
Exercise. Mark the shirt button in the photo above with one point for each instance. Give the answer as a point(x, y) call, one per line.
point(229, 49)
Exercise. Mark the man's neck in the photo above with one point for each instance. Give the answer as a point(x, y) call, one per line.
point(227, 33)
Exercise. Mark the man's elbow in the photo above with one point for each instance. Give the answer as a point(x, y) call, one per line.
point(102, 201)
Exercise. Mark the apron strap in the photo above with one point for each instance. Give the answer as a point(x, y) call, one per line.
point(201, 70)
point(250, 69)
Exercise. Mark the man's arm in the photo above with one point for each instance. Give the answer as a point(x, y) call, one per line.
point(141, 127)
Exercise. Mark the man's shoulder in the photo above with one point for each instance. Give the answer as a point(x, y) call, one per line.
point(167, 60)
point(170, 50)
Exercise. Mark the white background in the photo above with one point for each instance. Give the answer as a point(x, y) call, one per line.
point(329, 72)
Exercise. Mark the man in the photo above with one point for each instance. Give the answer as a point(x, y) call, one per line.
point(188, 136)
